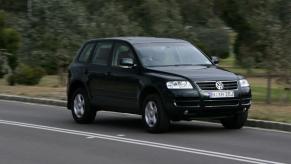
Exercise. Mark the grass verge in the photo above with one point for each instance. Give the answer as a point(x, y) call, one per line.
point(47, 88)
point(271, 112)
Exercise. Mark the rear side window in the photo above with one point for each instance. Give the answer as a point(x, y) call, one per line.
point(102, 53)
point(84, 56)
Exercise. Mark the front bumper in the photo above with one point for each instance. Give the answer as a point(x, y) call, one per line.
point(190, 104)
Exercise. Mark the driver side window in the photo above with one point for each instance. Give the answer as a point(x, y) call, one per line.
point(121, 51)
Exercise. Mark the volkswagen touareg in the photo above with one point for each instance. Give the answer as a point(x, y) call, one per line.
point(161, 79)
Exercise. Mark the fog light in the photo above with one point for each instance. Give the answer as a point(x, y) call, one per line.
point(175, 104)
point(186, 112)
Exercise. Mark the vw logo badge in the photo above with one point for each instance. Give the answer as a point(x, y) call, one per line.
point(219, 85)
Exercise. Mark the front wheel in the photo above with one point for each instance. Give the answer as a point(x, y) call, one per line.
point(235, 122)
point(81, 109)
point(154, 116)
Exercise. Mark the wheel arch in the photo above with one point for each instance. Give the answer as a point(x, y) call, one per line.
point(146, 91)
point(72, 88)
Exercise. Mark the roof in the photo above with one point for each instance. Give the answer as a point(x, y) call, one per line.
point(138, 40)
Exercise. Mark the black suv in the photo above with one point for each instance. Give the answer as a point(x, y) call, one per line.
point(161, 79)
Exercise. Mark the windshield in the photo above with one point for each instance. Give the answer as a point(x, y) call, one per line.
point(170, 54)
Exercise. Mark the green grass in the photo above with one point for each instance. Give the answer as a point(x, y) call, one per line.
point(259, 90)
point(277, 94)
point(259, 87)
point(228, 62)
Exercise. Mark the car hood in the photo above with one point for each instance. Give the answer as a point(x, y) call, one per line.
point(196, 73)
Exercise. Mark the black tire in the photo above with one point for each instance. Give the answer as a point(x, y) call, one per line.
point(89, 113)
point(235, 122)
point(162, 120)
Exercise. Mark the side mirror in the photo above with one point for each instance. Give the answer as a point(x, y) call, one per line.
point(127, 62)
point(214, 59)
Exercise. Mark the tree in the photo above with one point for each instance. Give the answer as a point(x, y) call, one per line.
point(284, 10)
point(111, 20)
point(263, 35)
point(13, 5)
point(235, 14)
point(54, 32)
point(159, 18)
point(9, 43)
point(209, 29)
point(273, 41)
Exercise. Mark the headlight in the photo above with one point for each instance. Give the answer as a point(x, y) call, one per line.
point(179, 85)
point(244, 83)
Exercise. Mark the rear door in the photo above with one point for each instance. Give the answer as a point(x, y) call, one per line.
point(79, 67)
point(98, 71)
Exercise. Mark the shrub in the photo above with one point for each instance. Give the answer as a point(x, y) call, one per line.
point(28, 75)
point(2, 71)
point(11, 80)
point(215, 42)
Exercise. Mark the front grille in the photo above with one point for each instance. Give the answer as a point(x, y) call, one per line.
point(210, 85)
point(221, 102)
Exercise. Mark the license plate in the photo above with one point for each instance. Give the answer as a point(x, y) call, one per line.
point(221, 94)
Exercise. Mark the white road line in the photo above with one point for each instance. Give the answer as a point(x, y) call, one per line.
point(142, 142)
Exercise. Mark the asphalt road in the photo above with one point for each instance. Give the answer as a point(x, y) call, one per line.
point(32, 133)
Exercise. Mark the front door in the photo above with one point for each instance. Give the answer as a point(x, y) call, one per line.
point(124, 80)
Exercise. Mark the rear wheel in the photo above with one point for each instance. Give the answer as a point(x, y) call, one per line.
point(235, 122)
point(81, 109)
point(154, 116)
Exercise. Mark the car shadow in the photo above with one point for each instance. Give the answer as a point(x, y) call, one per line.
point(129, 123)
point(120, 122)
point(196, 127)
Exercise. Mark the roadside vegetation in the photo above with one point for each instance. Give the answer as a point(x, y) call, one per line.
point(38, 39)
